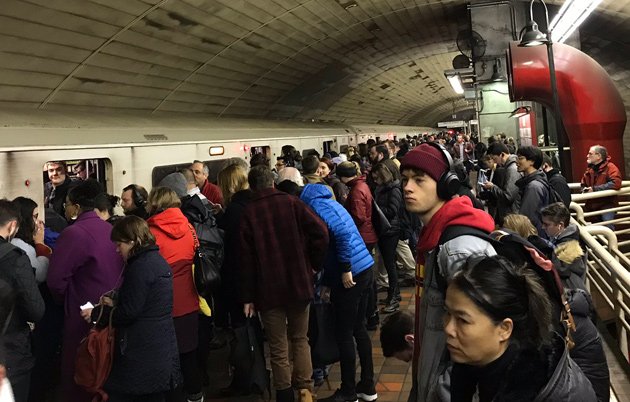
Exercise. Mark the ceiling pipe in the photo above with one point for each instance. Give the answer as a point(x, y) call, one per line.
point(592, 108)
point(499, 3)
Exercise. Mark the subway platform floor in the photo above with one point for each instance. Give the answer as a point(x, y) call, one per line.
point(393, 376)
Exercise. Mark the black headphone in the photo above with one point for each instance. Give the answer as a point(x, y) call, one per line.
point(448, 184)
point(136, 197)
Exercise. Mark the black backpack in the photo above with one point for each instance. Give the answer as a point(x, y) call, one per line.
point(521, 251)
point(209, 255)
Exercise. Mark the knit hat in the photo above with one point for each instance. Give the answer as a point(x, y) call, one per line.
point(176, 182)
point(426, 158)
point(346, 169)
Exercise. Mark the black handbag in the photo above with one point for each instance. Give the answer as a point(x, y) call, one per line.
point(207, 267)
point(379, 220)
point(324, 348)
point(248, 358)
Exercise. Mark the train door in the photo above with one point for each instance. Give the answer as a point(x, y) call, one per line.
point(328, 146)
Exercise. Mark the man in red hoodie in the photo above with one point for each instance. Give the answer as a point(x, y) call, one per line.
point(429, 187)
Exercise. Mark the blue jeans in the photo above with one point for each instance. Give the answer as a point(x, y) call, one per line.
point(607, 216)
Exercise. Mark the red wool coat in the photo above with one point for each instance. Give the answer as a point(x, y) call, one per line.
point(174, 237)
point(606, 177)
point(282, 243)
point(359, 205)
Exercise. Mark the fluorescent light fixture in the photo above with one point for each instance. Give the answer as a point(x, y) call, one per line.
point(571, 15)
point(216, 150)
point(456, 83)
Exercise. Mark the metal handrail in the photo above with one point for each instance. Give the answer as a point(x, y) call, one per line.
point(608, 273)
point(607, 279)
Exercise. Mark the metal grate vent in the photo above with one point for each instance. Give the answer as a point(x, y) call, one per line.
point(155, 137)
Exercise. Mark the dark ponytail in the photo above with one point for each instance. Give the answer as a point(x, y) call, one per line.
point(502, 291)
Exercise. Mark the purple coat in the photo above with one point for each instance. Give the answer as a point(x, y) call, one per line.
point(83, 266)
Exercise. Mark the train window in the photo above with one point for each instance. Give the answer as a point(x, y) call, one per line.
point(328, 146)
point(160, 172)
point(61, 174)
point(309, 152)
point(260, 150)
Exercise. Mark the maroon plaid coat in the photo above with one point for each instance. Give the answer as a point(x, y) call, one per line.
point(283, 243)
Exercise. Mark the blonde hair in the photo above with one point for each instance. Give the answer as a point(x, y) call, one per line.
point(520, 224)
point(232, 179)
point(162, 198)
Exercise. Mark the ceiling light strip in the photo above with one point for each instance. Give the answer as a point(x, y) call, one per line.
point(571, 15)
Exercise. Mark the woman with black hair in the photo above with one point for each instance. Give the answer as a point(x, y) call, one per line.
point(498, 328)
point(83, 267)
point(388, 195)
point(104, 207)
point(30, 237)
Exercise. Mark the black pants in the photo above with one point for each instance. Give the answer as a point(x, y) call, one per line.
point(387, 246)
point(372, 308)
point(350, 306)
point(20, 384)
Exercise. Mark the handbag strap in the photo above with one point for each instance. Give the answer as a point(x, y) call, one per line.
point(194, 234)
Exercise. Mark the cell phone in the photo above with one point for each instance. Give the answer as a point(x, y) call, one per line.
point(481, 179)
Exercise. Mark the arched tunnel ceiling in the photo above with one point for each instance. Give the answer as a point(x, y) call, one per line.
point(381, 60)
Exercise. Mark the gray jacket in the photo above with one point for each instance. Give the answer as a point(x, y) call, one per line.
point(507, 193)
point(429, 381)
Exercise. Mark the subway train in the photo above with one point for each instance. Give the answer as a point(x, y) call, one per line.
point(125, 148)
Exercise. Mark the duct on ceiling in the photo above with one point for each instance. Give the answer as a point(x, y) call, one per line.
point(591, 106)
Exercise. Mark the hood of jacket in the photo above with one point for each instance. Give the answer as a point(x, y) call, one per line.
point(536, 176)
point(455, 212)
point(172, 222)
point(569, 251)
point(552, 173)
point(511, 159)
point(571, 232)
point(311, 192)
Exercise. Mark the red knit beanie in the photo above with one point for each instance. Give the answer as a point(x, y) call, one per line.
point(426, 158)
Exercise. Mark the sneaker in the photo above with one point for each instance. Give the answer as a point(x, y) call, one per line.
point(391, 307)
point(365, 393)
point(338, 397)
point(372, 322)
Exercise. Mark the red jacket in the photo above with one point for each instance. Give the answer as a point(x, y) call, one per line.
point(174, 237)
point(282, 243)
point(359, 205)
point(605, 177)
point(212, 192)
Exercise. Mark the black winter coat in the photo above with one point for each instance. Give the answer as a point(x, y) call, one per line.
point(549, 375)
point(17, 272)
point(559, 183)
point(533, 196)
point(230, 221)
point(146, 358)
point(390, 199)
point(588, 351)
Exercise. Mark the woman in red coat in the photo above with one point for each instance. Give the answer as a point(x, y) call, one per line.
point(174, 236)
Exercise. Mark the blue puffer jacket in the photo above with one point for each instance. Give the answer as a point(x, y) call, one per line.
point(346, 245)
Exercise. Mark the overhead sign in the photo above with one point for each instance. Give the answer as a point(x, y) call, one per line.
point(451, 124)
